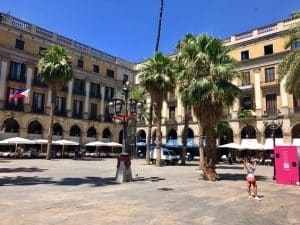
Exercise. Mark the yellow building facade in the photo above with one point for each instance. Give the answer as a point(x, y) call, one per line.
point(81, 112)
point(259, 52)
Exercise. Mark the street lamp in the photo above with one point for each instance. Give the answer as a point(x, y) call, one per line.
point(124, 110)
point(274, 125)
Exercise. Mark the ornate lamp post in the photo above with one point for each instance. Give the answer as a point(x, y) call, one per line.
point(124, 110)
point(274, 125)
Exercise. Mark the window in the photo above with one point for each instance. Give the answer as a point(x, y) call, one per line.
point(37, 80)
point(269, 74)
point(77, 109)
point(17, 72)
point(295, 44)
point(268, 49)
point(296, 104)
point(110, 73)
point(16, 103)
point(42, 50)
point(79, 86)
point(95, 91)
point(271, 104)
point(80, 63)
point(96, 69)
point(109, 93)
point(19, 44)
point(245, 78)
point(245, 55)
point(60, 106)
point(172, 116)
point(93, 115)
point(247, 103)
point(38, 103)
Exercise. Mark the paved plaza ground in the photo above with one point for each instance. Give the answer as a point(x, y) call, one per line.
point(38, 192)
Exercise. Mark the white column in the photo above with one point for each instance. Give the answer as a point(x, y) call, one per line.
point(69, 98)
point(28, 83)
point(3, 79)
point(257, 90)
point(235, 108)
point(102, 102)
point(284, 98)
point(179, 108)
point(87, 96)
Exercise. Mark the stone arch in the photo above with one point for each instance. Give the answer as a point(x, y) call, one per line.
point(75, 131)
point(269, 132)
point(226, 136)
point(57, 129)
point(296, 131)
point(10, 125)
point(248, 131)
point(35, 127)
point(172, 134)
point(141, 136)
point(107, 133)
point(91, 132)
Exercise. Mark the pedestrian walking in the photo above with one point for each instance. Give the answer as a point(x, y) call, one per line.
point(250, 167)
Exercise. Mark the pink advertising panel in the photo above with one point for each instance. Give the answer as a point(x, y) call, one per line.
point(287, 165)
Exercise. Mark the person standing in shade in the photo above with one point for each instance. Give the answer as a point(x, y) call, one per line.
point(250, 167)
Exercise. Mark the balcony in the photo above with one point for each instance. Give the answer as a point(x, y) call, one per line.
point(17, 79)
point(77, 115)
point(95, 117)
point(266, 84)
point(79, 91)
point(37, 82)
point(64, 89)
point(38, 110)
point(246, 87)
point(59, 112)
point(13, 106)
point(95, 95)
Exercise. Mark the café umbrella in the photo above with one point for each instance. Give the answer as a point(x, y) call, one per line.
point(64, 142)
point(15, 141)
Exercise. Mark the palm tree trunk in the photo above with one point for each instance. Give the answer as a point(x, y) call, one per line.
point(185, 133)
point(210, 166)
point(52, 107)
point(201, 149)
point(149, 134)
point(159, 25)
point(158, 134)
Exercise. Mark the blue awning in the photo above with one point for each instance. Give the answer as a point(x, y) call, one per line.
point(191, 143)
point(172, 143)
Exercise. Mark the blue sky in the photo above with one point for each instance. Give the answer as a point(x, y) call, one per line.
point(127, 28)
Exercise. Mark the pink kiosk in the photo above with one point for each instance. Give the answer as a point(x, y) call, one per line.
point(287, 163)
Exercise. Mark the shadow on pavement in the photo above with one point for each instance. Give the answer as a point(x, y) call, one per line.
point(92, 181)
point(152, 179)
point(21, 169)
point(231, 176)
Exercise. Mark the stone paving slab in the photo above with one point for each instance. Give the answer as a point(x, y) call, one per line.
point(84, 192)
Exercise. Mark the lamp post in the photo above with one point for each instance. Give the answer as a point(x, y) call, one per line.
point(274, 125)
point(124, 110)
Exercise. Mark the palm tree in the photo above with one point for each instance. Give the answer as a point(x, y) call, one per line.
point(289, 67)
point(54, 69)
point(157, 77)
point(151, 105)
point(209, 89)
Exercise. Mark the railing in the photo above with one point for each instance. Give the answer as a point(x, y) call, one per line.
point(60, 112)
point(16, 79)
point(95, 95)
point(269, 83)
point(244, 35)
point(81, 47)
point(267, 28)
point(36, 109)
point(95, 117)
point(44, 32)
point(79, 91)
point(13, 106)
point(77, 115)
point(37, 82)
point(103, 55)
point(21, 24)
